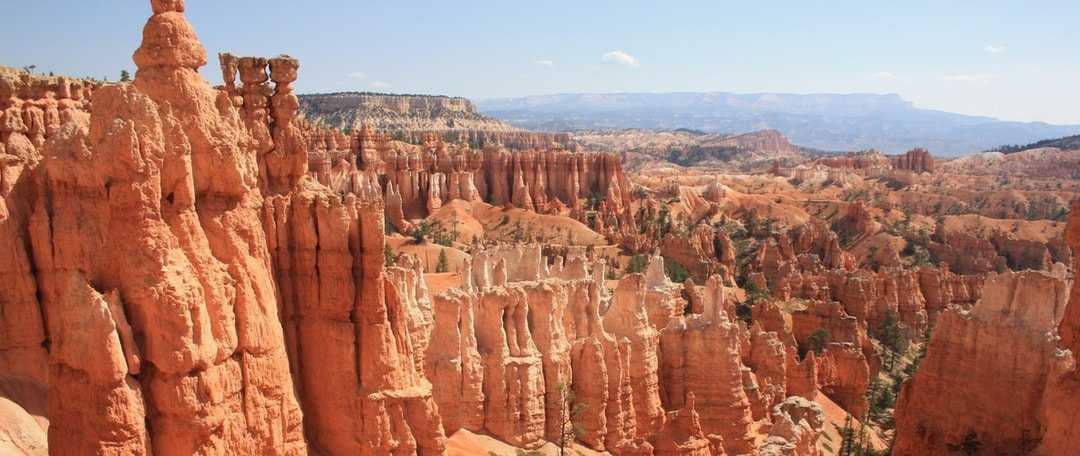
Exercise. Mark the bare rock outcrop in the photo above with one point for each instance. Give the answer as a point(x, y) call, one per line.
point(165, 329)
point(519, 343)
point(195, 270)
point(849, 361)
point(796, 425)
point(682, 433)
point(966, 253)
point(503, 353)
point(1062, 395)
point(327, 254)
point(549, 179)
point(869, 163)
point(701, 354)
point(917, 160)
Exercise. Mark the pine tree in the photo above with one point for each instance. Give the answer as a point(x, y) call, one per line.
point(444, 262)
point(570, 429)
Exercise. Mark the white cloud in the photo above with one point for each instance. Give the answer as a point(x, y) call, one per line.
point(967, 78)
point(380, 85)
point(883, 75)
point(994, 49)
point(620, 58)
point(357, 75)
point(545, 62)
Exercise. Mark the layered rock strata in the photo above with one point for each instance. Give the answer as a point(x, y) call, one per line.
point(917, 160)
point(418, 179)
point(163, 320)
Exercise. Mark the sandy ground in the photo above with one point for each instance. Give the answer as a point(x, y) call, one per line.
point(482, 221)
point(835, 417)
point(465, 443)
point(23, 416)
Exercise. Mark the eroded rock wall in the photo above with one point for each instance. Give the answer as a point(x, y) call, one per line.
point(983, 381)
point(152, 271)
point(418, 179)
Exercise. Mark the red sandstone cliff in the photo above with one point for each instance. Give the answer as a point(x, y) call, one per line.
point(983, 384)
point(150, 276)
point(917, 160)
point(420, 179)
point(1062, 395)
point(230, 303)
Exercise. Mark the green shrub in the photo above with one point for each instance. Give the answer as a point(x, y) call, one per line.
point(676, 271)
point(388, 255)
point(637, 263)
point(818, 340)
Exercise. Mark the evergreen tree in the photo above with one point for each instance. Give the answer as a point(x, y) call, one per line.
point(444, 262)
point(569, 429)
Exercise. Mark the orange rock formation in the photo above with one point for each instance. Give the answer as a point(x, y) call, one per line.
point(917, 160)
point(1007, 337)
point(1011, 336)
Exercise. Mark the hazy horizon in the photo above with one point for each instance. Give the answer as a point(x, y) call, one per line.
point(995, 59)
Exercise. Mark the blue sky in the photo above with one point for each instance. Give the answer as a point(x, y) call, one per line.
point(1004, 59)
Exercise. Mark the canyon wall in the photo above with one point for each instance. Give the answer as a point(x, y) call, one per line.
point(1023, 335)
point(196, 270)
point(144, 272)
point(417, 180)
point(1009, 337)
point(1062, 394)
point(503, 354)
point(179, 276)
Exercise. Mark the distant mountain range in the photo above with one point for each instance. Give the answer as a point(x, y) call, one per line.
point(828, 122)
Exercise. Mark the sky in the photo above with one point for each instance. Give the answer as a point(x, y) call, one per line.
point(1005, 59)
